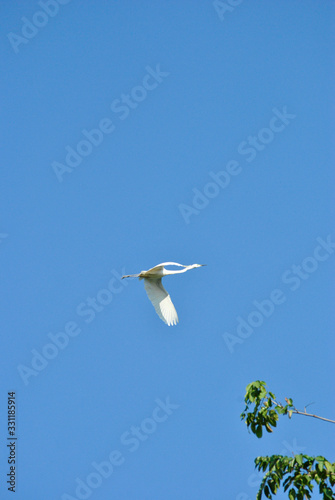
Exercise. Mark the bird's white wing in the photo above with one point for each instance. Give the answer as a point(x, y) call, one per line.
point(161, 301)
point(159, 267)
point(170, 264)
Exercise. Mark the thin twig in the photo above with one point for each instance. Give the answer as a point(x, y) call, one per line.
point(298, 412)
point(311, 415)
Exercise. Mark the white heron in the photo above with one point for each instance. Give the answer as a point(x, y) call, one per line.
point(157, 294)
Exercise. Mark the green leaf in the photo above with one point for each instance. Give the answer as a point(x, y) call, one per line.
point(267, 492)
point(273, 486)
point(330, 467)
point(258, 431)
point(327, 494)
point(291, 494)
point(262, 392)
point(299, 459)
point(281, 410)
point(319, 467)
point(268, 428)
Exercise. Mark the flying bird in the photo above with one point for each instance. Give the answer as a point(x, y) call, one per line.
point(157, 294)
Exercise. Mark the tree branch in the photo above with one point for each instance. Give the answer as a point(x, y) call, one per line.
point(299, 412)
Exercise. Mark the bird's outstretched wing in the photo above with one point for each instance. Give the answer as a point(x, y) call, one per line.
point(159, 267)
point(161, 301)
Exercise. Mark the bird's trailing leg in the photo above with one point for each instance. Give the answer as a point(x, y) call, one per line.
point(130, 276)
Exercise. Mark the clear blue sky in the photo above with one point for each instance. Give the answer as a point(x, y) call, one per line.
point(135, 133)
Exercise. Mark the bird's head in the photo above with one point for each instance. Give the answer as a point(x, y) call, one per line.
point(199, 265)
